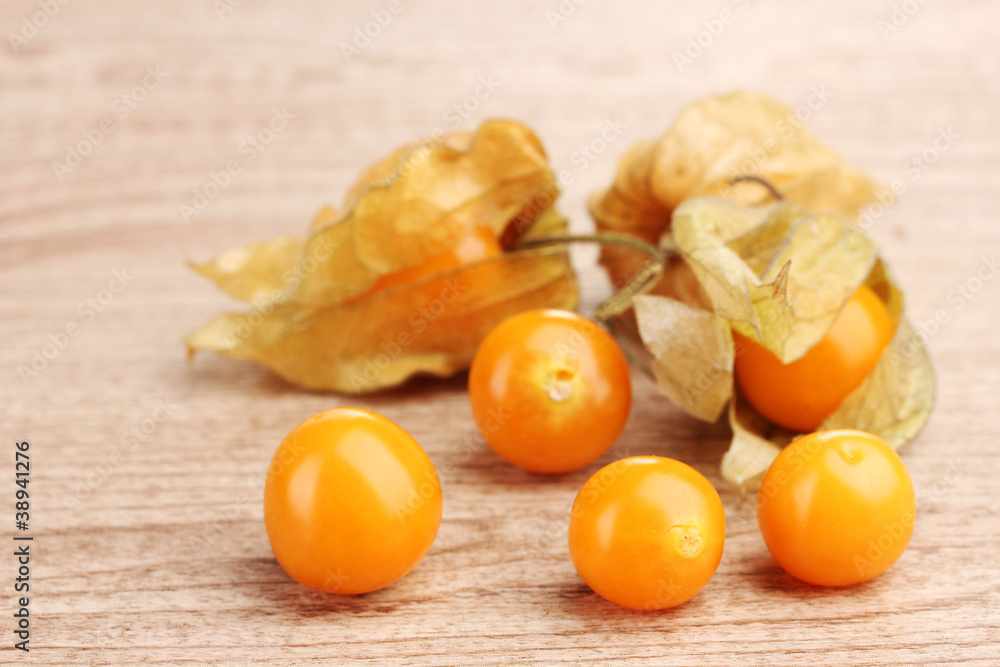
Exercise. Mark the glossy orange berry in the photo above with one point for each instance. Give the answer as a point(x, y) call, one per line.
point(801, 394)
point(647, 532)
point(351, 503)
point(836, 507)
point(550, 390)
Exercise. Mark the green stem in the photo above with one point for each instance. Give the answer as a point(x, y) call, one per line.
point(641, 282)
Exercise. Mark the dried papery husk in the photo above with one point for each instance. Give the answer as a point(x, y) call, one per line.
point(711, 144)
point(778, 274)
point(317, 321)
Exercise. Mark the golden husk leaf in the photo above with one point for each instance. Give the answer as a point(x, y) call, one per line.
point(317, 321)
point(711, 143)
point(692, 354)
point(743, 262)
point(778, 274)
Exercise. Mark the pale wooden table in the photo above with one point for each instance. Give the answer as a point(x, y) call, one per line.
point(154, 549)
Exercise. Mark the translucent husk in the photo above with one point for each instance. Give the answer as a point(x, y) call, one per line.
point(316, 319)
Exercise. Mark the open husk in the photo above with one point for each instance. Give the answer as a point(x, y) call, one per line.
point(777, 272)
point(316, 319)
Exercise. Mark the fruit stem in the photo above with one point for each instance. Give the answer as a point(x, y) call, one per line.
point(641, 281)
point(775, 192)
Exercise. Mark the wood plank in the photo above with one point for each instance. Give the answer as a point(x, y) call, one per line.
point(162, 557)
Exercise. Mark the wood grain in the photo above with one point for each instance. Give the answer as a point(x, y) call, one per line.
point(153, 550)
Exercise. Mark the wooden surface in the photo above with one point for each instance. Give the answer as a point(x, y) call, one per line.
point(154, 549)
